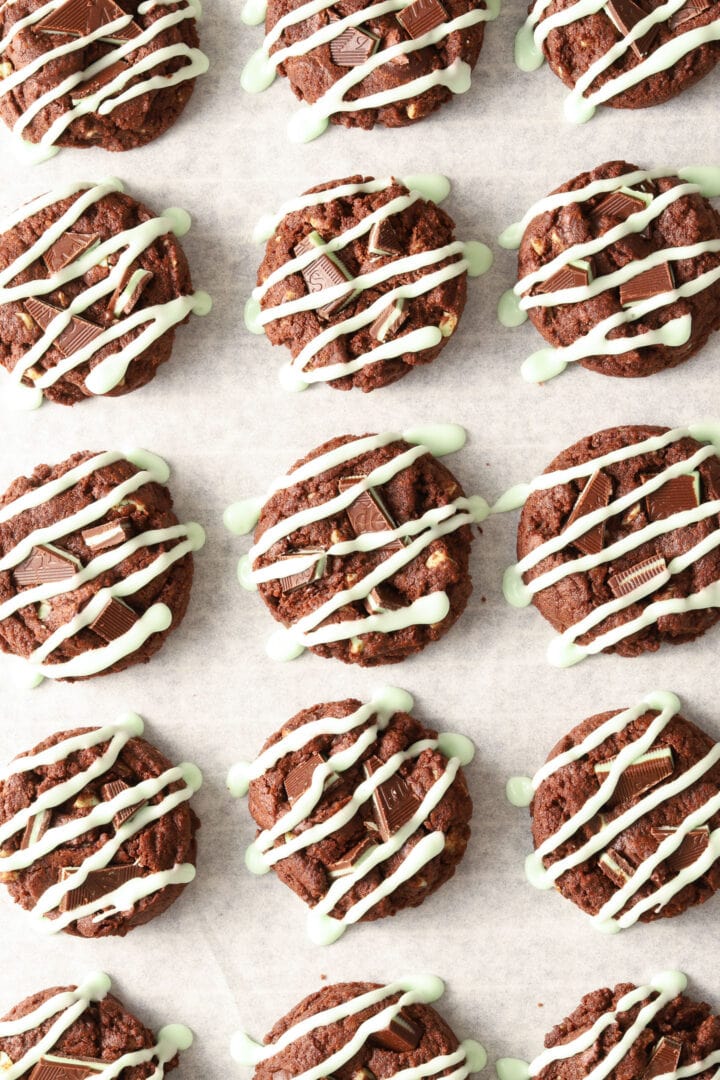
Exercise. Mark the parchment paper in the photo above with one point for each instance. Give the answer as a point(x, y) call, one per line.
point(233, 949)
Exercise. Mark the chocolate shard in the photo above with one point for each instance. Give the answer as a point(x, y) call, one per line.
point(401, 1035)
point(352, 47)
point(74, 337)
point(348, 862)
point(665, 1058)
point(652, 282)
point(678, 494)
point(45, 563)
point(689, 11)
point(617, 206)
point(648, 570)
point(421, 16)
point(380, 599)
point(641, 775)
point(369, 514)
point(55, 1067)
point(97, 82)
point(393, 801)
point(108, 535)
point(596, 493)
point(36, 828)
point(574, 275)
point(389, 321)
point(325, 271)
point(113, 788)
point(97, 884)
point(691, 848)
point(298, 780)
point(616, 867)
point(78, 18)
point(297, 579)
point(625, 14)
point(114, 620)
point(127, 295)
point(383, 240)
point(68, 248)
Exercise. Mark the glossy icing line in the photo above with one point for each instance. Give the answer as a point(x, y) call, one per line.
point(69, 1006)
point(133, 242)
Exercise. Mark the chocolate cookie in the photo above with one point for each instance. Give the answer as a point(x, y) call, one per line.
point(92, 285)
point(604, 272)
point(627, 837)
point(402, 278)
point(67, 808)
point(631, 1031)
point(603, 57)
point(90, 1028)
point(339, 589)
point(392, 68)
point(64, 83)
point(95, 569)
point(619, 541)
point(363, 1027)
point(360, 809)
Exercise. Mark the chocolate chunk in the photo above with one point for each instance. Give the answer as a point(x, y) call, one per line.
point(596, 493)
point(691, 847)
point(352, 47)
point(383, 240)
point(617, 206)
point(325, 271)
point(652, 282)
point(380, 599)
point(74, 337)
point(44, 564)
point(68, 248)
point(79, 18)
point(122, 302)
point(401, 1035)
point(574, 275)
point(368, 514)
point(109, 791)
point(678, 494)
point(627, 581)
point(616, 867)
point(107, 535)
point(299, 578)
point(393, 801)
point(97, 82)
point(640, 776)
point(298, 780)
point(97, 884)
point(54, 1067)
point(36, 828)
point(388, 321)
point(421, 16)
point(114, 620)
point(625, 14)
point(349, 861)
point(689, 11)
point(666, 1056)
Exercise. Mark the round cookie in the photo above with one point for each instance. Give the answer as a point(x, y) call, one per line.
point(667, 335)
point(403, 331)
point(393, 68)
point(639, 1031)
point(340, 591)
point(592, 55)
point(343, 868)
point(612, 862)
point(46, 52)
point(78, 773)
point(646, 572)
point(362, 1026)
point(95, 570)
point(94, 250)
point(91, 1026)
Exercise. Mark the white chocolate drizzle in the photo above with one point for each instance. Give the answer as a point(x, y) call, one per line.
point(469, 1057)
point(564, 650)
point(264, 852)
point(68, 1006)
point(46, 915)
point(116, 91)
point(599, 340)
point(658, 993)
point(419, 533)
point(473, 258)
point(131, 243)
point(156, 618)
point(312, 120)
point(611, 917)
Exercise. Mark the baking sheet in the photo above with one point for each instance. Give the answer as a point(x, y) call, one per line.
point(233, 950)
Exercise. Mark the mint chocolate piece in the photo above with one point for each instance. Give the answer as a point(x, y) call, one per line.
point(298, 780)
point(689, 11)
point(652, 282)
point(97, 884)
point(97, 82)
point(109, 791)
point(625, 14)
point(383, 240)
point(678, 494)
point(348, 862)
point(114, 620)
point(354, 46)
point(325, 271)
point(107, 535)
point(641, 775)
point(393, 801)
point(74, 337)
point(574, 275)
point(45, 563)
point(616, 867)
point(691, 847)
point(596, 493)
point(79, 18)
point(421, 16)
point(55, 1067)
point(617, 206)
point(401, 1035)
point(36, 828)
point(666, 1056)
point(368, 513)
point(388, 321)
point(297, 579)
point(68, 248)
point(627, 581)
